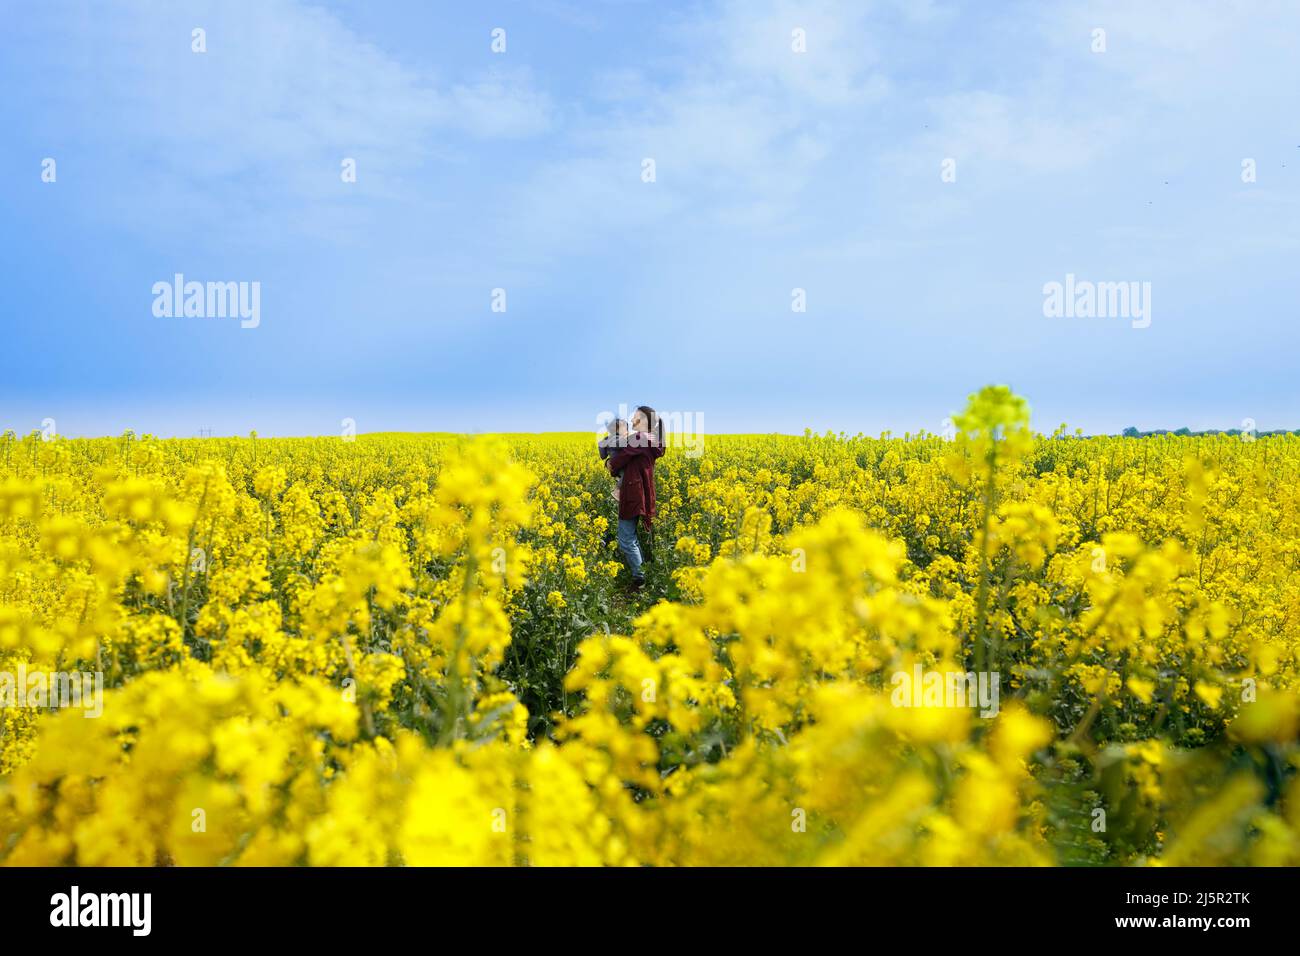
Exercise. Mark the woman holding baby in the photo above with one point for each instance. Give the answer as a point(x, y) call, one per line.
point(630, 451)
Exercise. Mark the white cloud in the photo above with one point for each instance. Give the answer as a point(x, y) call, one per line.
point(261, 122)
point(500, 106)
point(840, 62)
point(737, 130)
point(1020, 133)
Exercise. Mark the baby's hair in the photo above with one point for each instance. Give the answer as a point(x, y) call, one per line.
point(615, 425)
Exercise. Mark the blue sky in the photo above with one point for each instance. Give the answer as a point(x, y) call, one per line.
point(522, 170)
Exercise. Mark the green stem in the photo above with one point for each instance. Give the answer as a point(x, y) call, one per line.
point(982, 595)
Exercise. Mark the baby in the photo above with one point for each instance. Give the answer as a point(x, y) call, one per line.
point(612, 442)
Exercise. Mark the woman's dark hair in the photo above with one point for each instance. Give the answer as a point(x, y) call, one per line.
point(654, 422)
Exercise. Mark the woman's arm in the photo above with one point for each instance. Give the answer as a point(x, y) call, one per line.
point(646, 446)
point(618, 461)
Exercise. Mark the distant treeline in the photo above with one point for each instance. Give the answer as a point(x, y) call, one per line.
point(1133, 432)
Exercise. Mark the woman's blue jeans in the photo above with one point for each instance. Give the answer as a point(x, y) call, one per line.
point(629, 545)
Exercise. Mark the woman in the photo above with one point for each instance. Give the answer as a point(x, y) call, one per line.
point(636, 500)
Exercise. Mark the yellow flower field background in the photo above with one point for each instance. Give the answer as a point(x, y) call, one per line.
point(420, 649)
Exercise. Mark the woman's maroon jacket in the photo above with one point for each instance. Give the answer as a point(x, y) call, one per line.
point(637, 462)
